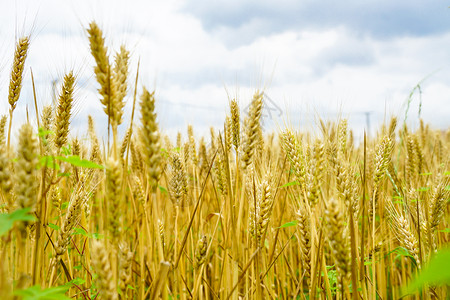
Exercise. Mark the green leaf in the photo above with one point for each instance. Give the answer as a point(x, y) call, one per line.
point(77, 162)
point(423, 189)
point(164, 152)
point(78, 281)
point(7, 220)
point(289, 224)
point(96, 235)
point(401, 252)
point(66, 174)
point(437, 272)
point(48, 162)
point(163, 189)
point(446, 230)
point(79, 230)
point(35, 293)
point(66, 150)
point(83, 232)
point(43, 133)
point(426, 174)
point(289, 184)
point(54, 226)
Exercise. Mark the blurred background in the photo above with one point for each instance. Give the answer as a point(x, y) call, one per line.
point(361, 60)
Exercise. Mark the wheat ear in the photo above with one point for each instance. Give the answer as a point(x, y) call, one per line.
point(64, 111)
point(25, 176)
point(235, 124)
point(150, 138)
point(119, 82)
point(100, 261)
point(338, 237)
point(252, 124)
point(15, 83)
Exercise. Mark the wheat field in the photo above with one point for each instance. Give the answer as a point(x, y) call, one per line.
point(239, 214)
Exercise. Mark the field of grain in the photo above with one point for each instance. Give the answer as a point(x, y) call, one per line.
point(239, 214)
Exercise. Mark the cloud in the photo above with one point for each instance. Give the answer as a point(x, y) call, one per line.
point(248, 20)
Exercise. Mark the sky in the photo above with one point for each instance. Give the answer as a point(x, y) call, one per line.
point(359, 60)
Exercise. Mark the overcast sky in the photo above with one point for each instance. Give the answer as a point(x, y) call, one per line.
point(312, 58)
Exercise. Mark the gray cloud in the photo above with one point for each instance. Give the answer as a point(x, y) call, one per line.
point(248, 20)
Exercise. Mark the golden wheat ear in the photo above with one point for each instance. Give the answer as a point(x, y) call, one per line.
point(102, 267)
point(252, 126)
point(102, 69)
point(27, 160)
point(64, 111)
point(338, 236)
point(15, 83)
point(235, 124)
point(150, 137)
